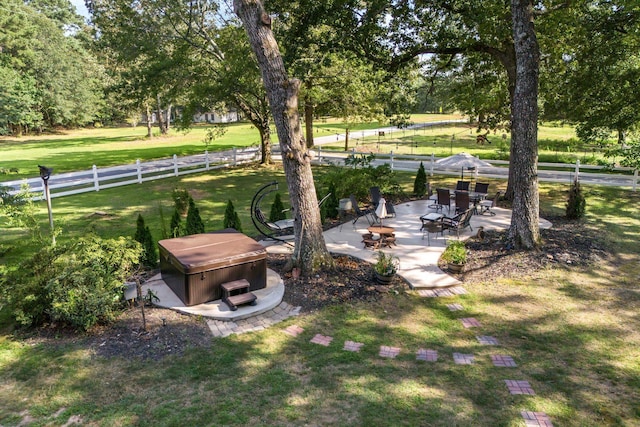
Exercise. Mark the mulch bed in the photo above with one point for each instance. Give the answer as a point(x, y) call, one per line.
point(567, 244)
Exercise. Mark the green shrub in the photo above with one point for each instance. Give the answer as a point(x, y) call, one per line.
point(358, 181)
point(455, 252)
point(143, 235)
point(194, 222)
point(176, 224)
point(576, 204)
point(420, 183)
point(78, 284)
point(231, 218)
point(181, 198)
point(329, 208)
point(277, 209)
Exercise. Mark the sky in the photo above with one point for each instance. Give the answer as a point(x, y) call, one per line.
point(80, 7)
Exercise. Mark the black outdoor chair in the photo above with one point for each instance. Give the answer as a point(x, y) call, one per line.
point(375, 194)
point(481, 187)
point(462, 201)
point(444, 199)
point(462, 186)
point(360, 212)
point(486, 206)
point(458, 222)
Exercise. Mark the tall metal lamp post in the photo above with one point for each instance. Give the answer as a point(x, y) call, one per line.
point(45, 174)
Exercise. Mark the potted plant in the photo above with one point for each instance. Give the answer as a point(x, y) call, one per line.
point(385, 267)
point(455, 255)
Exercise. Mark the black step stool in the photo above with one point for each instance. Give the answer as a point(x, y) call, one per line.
point(237, 293)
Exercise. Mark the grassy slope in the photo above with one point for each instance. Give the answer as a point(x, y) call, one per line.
point(573, 334)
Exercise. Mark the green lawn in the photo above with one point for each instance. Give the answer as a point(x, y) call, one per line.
point(574, 334)
point(76, 150)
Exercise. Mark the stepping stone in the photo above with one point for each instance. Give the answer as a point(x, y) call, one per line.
point(352, 346)
point(322, 340)
point(455, 307)
point(519, 387)
point(427, 293)
point(293, 330)
point(427, 355)
point(390, 352)
point(442, 292)
point(487, 340)
point(536, 419)
point(502, 361)
point(470, 322)
point(463, 359)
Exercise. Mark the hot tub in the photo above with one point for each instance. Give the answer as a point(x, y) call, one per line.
point(195, 266)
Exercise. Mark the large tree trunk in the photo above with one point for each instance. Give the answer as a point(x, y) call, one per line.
point(346, 139)
point(259, 117)
point(310, 252)
point(525, 228)
point(308, 115)
point(168, 121)
point(265, 141)
point(149, 124)
point(163, 129)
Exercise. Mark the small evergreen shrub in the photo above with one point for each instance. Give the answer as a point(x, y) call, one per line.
point(194, 222)
point(149, 257)
point(277, 209)
point(176, 224)
point(181, 198)
point(331, 205)
point(231, 218)
point(420, 183)
point(576, 205)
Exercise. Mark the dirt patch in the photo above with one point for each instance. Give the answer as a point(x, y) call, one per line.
point(566, 245)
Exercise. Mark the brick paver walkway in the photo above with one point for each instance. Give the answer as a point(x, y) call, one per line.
point(455, 307)
point(487, 340)
point(536, 419)
point(322, 340)
point(470, 322)
point(391, 352)
point(502, 361)
point(442, 292)
point(427, 355)
point(283, 311)
point(463, 359)
point(352, 346)
point(519, 387)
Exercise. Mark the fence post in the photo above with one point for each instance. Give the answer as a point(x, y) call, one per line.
point(391, 159)
point(235, 156)
point(577, 178)
point(433, 161)
point(319, 154)
point(139, 170)
point(175, 165)
point(635, 179)
point(96, 184)
point(206, 159)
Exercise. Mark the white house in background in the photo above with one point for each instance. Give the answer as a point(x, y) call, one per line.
point(229, 116)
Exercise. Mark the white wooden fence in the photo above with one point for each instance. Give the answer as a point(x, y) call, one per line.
point(96, 179)
point(548, 172)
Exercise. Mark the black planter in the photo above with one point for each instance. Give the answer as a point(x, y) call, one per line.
point(383, 280)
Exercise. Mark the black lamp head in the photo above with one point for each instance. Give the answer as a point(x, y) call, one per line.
point(45, 172)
